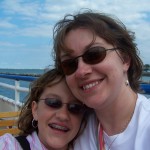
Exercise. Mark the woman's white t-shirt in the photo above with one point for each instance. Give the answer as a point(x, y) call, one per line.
point(135, 137)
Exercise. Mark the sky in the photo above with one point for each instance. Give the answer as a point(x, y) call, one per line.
point(26, 36)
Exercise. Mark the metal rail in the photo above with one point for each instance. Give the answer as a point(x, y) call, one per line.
point(17, 88)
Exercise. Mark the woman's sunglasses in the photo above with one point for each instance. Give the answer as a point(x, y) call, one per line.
point(93, 55)
point(74, 108)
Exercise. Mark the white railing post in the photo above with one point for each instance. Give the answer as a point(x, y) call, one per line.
point(13, 103)
point(17, 93)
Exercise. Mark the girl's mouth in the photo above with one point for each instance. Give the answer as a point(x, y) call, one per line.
point(59, 127)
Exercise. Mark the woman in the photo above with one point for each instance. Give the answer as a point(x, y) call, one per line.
point(100, 59)
point(51, 119)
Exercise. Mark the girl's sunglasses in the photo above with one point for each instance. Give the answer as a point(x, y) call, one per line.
point(74, 108)
point(93, 55)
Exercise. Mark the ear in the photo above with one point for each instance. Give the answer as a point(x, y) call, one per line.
point(127, 62)
point(34, 110)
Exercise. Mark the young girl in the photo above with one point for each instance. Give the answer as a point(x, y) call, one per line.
point(51, 118)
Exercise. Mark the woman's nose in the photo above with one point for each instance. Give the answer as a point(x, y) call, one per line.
point(83, 69)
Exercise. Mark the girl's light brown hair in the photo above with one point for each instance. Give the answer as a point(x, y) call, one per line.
point(48, 79)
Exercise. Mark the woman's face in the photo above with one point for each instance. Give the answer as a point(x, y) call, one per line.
point(57, 126)
point(94, 84)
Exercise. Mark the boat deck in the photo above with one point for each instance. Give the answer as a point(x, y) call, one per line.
point(7, 104)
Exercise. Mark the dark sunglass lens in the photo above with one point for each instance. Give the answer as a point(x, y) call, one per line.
point(94, 55)
point(75, 108)
point(54, 103)
point(69, 66)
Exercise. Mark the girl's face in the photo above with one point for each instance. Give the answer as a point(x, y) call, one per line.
point(57, 126)
point(94, 84)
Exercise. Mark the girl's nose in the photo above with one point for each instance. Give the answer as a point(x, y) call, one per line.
point(83, 69)
point(63, 114)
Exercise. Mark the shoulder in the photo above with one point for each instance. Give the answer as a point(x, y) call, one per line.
point(88, 136)
point(7, 141)
point(34, 141)
point(142, 111)
point(7, 137)
point(91, 126)
point(143, 102)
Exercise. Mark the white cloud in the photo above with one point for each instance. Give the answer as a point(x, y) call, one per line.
point(6, 24)
point(12, 45)
point(35, 19)
point(20, 7)
point(37, 31)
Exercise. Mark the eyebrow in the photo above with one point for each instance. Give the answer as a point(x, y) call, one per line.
point(52, 95)
point(68, 52)
point(64, 56)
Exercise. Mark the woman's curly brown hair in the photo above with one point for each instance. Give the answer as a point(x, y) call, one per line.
point(107, 27)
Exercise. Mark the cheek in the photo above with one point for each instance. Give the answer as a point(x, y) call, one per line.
point(76, 121)
point(72, 85)
point(115, 75)
point(111, 66)
point(43, 113)
point(71, 82)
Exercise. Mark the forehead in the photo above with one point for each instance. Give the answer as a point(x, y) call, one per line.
point(73, 38)
point(79, 40)
point(76, 39)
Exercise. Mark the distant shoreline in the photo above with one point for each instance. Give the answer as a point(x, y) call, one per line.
point(43, 70)
point(146, 74)
point(22, 74)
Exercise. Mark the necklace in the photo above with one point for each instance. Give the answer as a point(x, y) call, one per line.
point(113, 142)
point(102, 142)
point(109, 144)
point(101, 136)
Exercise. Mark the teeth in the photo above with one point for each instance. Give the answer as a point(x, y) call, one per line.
point(86, 87)
point(55, 126)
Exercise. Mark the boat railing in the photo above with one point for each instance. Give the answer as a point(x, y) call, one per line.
point(16, 87)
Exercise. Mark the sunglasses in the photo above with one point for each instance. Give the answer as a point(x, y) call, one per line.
point(74, 108)
point(93, 55)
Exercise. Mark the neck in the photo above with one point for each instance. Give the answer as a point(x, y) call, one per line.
point(116, 116)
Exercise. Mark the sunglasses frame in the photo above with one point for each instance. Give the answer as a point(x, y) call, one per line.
point(84, 58)
point(60, 105)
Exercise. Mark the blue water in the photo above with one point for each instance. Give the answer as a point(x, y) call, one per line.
point(11, 94)
point(145, 78)
point(22, 71)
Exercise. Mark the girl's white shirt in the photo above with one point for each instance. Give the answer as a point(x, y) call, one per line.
point(135, 137)
point(9, 142)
